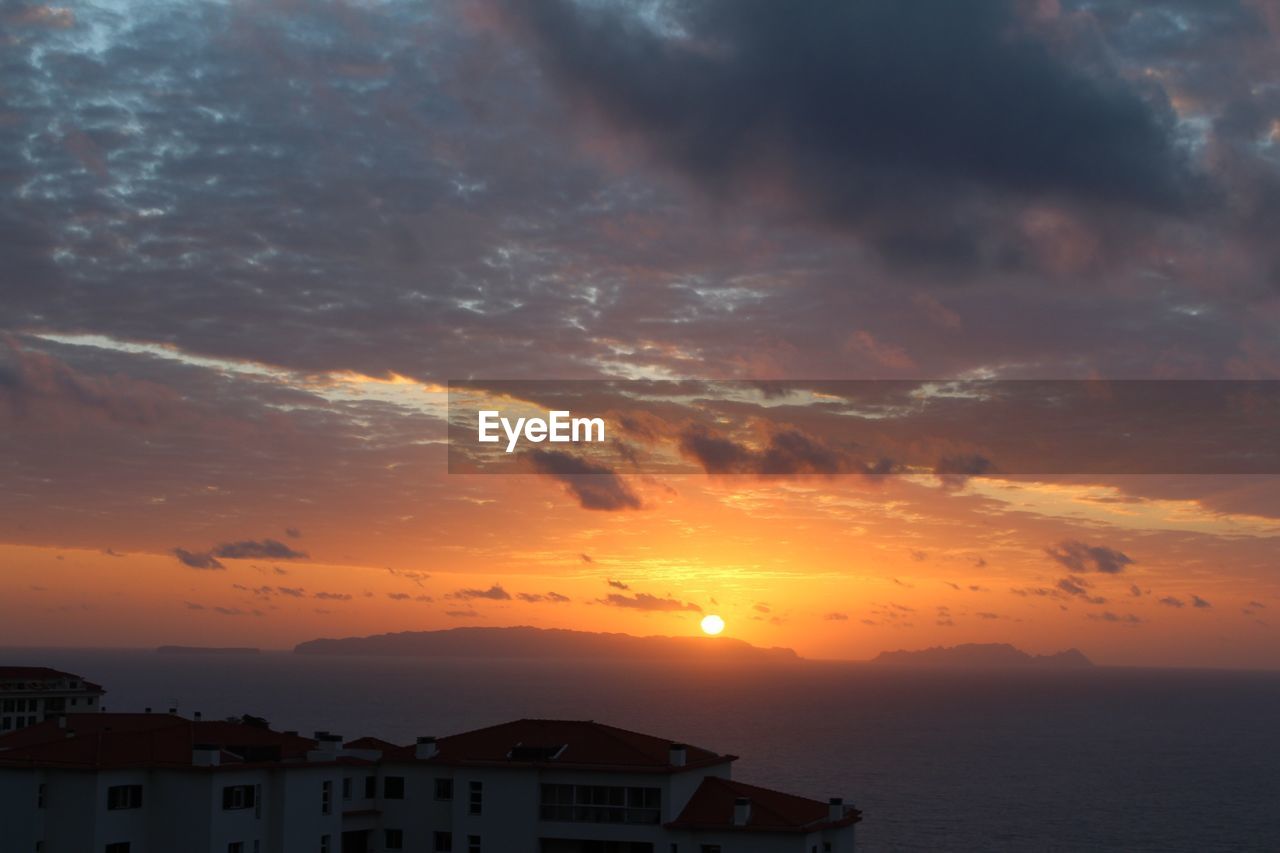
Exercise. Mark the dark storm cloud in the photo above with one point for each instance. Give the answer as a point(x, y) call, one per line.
point(493, 593)
point(595, 486)
point(878, 110)
point(249, 549)
point(1081, 557)
point(197, 560)
point(645, 601)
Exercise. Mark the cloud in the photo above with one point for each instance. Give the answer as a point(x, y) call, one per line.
point(616, 584)
point(788, 452)
point(1171, 601)
point(461, 614)
point(291, 591)
point(249, 549)
point(645, 601)
point(493, 593)
point(1080, 557)
point(838, 617)
point(1197, 601)
point(586, 558)
point(399, 596)
point(192, 605)
point(1108, 616)
point(1079, 587)
point(197, 560)
point(535, 597)
point(596, 487)
point(293, 533)
point(906, 123)
point(409, 574)
point(333, 596)
point(953, 472)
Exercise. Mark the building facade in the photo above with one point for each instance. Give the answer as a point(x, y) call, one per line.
point(160, 783)
point(33, 694)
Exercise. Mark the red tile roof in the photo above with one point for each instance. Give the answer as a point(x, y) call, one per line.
point(586, 745)
point(144, 740)
point(43, 673)
point(712, 806)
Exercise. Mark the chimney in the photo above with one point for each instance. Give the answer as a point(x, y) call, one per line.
point(835, 808)
point(205, 755)
point(426, 748)
point(741, 811)
point(197, 716)
point(330, 743)
point(173, 711)
point(679, 754)
point(148, 709)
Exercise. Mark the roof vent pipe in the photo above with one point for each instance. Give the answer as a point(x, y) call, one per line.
point(426, 748)
point(679, 754)
point(741, 811)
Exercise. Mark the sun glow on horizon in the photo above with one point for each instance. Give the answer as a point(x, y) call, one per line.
point(712, 624)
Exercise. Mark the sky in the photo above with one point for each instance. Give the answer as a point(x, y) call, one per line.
point(246, 246)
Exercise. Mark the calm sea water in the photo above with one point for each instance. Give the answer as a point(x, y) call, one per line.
point(1106, 760)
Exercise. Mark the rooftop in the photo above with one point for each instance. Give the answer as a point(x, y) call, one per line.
point(712, 807)
point(43, 673)
point(167, 740)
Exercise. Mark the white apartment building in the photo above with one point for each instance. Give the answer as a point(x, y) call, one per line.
point(33, 694)
point(160, 783)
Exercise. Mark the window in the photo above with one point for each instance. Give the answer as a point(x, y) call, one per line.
point(8, 706)
point(601, 804)
point(346, 787)
point(6, 725)
point(393, 787)
point(326, 797)
point(238, 797)
point(710, 848)
point(324, 844)
point(444, 789)
point(473, 844)
point(443, 842)
point(117, 847)
point(370, 787)
point(475, 802)
point(235, 847)
point(826, 847)
point(42, 793)
point(124, 797)
point(393, 839)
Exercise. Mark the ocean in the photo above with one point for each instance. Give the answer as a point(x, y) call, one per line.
point(1107, 759)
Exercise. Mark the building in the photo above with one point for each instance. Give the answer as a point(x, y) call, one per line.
point(33, 694)
point(160, 783)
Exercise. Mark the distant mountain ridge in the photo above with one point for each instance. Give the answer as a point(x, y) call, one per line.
point(983, 655)
point(528, 643)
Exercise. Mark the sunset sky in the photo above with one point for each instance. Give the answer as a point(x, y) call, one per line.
point(245, 246)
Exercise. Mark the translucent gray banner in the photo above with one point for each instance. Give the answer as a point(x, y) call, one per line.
point(870, 428)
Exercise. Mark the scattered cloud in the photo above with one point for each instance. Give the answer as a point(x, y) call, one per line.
point(1081, 557)
point(645, 601)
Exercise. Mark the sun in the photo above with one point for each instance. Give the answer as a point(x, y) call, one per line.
point(712, 624)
